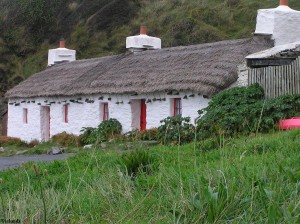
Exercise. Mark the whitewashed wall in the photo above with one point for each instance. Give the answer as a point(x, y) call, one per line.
point(90, 114)
point(281, 22)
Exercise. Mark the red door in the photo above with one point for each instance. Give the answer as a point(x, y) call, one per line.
point(143, 118)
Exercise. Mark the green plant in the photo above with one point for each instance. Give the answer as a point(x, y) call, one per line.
point(64, 139)
point(146, 135)
point(254, 179)
point(208, 144)
point(137, 161)
point(244, 110)
point(105, 131)
point(6, 141)
point(42, 194)
point(88, 135)
point(176, 130)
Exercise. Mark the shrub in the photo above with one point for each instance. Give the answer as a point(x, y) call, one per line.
point(33, 143)
point(109, 128)
point(243, 110)
point(146, 135)
point(64, 139)
point(88, 135)
point(208, 144)
point(176, 130)
point(105, 131)
point(137, 161)
point(5, 141)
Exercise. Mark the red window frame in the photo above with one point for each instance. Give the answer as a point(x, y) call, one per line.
point(177, 107)
point(66, 113)
point(25, 115)
point(105, 112)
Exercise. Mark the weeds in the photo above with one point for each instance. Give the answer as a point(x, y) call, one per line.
point(139, 161)
point(248, 180)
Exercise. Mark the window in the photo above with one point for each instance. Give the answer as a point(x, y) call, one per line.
point(25, 115)
point(105, 112)
point(177, 106)
point(66, 113)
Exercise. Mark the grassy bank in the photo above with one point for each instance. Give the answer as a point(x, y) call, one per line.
point(249, 180)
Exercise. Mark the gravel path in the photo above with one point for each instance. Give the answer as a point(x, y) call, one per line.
point(10, 162)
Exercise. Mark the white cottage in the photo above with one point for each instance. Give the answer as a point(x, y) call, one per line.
point(139, 88)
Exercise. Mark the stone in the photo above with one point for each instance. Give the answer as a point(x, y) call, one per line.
point(21, 152)
point(56, 151)
point(2, 149)
point(102, 145)
point(88, 146)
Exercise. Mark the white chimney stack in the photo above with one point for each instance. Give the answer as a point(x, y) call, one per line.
point(143, 41)
point(61, 54)
point(282, 23)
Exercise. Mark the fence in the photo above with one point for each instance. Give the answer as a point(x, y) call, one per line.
point(277, 80)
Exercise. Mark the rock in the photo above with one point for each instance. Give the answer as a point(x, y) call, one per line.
point(21, 152)
point(2, 149)
point(88, 146)
point(102, 145)
point(56, 151)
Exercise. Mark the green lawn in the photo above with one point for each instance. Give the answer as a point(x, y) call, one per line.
point(248, 180)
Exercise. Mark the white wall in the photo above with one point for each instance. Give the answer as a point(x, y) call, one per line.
point(281, 22)
point(90, 115)
point(16, 126)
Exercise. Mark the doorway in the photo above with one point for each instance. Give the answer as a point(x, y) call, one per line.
point(138, 114)
point(143, 119)
point(45, 123)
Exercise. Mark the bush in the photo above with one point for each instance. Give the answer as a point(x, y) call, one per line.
point(176, 130)
point(208, 145)
point(243, 110)
point(64, 139)
point(33, 143)
point(137, 161)
point(146, 135)
point(88, 136)
point(105, 131)
point(5, 141)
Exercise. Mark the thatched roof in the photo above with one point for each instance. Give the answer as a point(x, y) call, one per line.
point(205, 68)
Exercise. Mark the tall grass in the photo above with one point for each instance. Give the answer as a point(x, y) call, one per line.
point(248, 180)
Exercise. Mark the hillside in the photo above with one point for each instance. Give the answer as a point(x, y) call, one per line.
point(28, 28)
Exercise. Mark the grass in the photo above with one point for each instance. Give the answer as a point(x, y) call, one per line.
point(247, 180)
point(42, 148)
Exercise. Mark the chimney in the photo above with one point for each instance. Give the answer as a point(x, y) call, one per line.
point(61, 54)
point(143, 30)
point(62, 43)
point(281, 23)
point(284, 2)
point(142, 42)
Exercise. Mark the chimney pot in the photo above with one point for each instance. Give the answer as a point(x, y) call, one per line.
point(62, 43)
point(143, 30)
point(284, 2)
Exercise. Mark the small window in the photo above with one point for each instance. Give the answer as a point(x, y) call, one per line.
point(66, 113)
point(177, 107)
point(105, 112)
point(25, 115)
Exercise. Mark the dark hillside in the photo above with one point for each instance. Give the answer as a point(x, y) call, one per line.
point(28, 28)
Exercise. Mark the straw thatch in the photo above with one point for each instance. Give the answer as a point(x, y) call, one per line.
point(206, 69)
